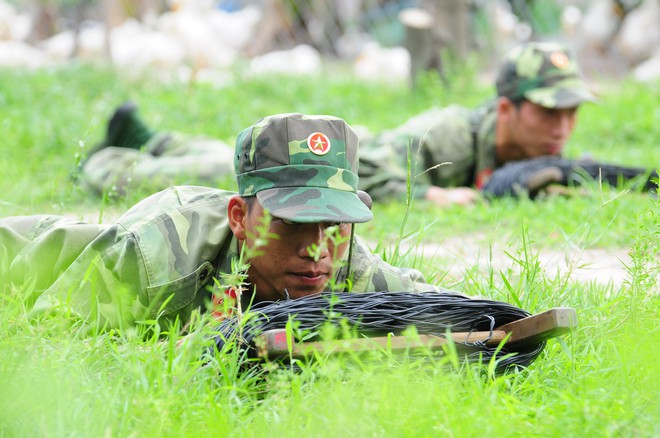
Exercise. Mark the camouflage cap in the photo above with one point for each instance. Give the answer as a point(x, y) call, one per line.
point(301, 168)
point(545, 73)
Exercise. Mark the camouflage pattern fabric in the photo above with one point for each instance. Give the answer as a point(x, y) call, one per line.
point(443, 150)
point(529, 177)
point(302, 168)
point(545, 73)
point(157, 261)
point(36, 249)
point(167, 158)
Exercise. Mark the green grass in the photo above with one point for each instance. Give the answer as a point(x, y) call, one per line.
point(58, 380)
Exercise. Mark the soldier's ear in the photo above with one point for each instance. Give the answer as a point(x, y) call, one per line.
point(504, 104)
point(237, 213)
point(365, 198)
point(506, 110)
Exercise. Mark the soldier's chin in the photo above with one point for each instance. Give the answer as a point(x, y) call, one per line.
point(292, 294)
point(553, 150)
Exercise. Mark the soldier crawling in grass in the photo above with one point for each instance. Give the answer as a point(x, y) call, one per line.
point(509, 144)
point(454, 150)
point(174, 251)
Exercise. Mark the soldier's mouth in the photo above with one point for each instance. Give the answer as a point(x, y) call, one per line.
point(310, 278)
point(553, 148)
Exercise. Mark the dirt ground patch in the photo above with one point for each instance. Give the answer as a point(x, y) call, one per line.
point(464, 253)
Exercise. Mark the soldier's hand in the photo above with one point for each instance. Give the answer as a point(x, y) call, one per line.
point(530, 177)
point(525, 177)
point(444, 197)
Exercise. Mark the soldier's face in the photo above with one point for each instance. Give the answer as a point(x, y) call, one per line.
point(536, 131)
point(288, 258)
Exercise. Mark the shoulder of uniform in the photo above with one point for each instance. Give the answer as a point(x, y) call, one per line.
point(175, 201)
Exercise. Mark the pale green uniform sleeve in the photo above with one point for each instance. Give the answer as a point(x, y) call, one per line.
point(37, 249)
point(155, 262)
point(371, 274)
point(446, 146)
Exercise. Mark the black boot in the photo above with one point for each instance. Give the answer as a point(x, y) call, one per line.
point(125, 129)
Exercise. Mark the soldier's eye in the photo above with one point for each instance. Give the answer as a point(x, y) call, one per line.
point(340, 225)
point(288, 222)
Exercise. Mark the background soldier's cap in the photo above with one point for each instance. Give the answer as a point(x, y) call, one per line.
point(546, 74)
point(301, 168)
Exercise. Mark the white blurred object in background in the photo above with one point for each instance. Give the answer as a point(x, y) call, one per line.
point(649, 70)
point(91, 43)
point(136, 47)
point(301, 60)
point(571, 17)
point(598, 26)
point(639, 35)
point(507, 29)
point(18, 54)
point(383, 64)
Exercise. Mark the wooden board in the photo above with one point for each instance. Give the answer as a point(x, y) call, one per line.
point(275, 343)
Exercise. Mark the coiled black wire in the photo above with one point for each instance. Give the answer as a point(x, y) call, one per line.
point(380, 313)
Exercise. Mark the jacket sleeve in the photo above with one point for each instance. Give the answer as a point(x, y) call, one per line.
point(372, 274)
point(439, 145)
point(37, 249)
point(71, 266)
point(104, 284)
point(154, 264)
point(448, 149)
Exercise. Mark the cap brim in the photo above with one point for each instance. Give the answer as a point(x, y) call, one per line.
point(314, 204)
point(560, 96)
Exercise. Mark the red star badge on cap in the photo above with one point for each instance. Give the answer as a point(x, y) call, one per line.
point(318, 143)
point(559, 59)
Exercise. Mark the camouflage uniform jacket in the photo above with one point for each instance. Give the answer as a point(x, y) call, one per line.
point(463, 139)
point(158, 260)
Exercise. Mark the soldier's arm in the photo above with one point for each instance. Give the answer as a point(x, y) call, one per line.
point(395, 163)
point(103, 285)
point(37, 249)
point(372, 274)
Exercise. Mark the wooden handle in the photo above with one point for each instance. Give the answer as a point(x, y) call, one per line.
point(549, 324)
point(533, 329)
